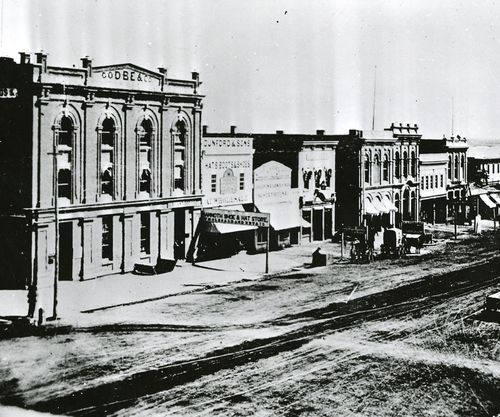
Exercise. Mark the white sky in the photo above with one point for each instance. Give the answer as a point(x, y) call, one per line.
point(292, 65)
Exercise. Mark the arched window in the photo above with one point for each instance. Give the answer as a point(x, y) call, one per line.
point(405, 164)
point(450, 170)
point(180, 140)
point(65, 158)
point(367, 169)
point(457, 168)
point(385, 168)
point(145, 133)
point(376, 169)
point(413, 165)
point(107, 133)
point(406, 205)
point(397, 161)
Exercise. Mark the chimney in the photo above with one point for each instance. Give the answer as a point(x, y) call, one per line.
point(204, 130)
point(163, 71)
point(233, 130)
point(195, 76)
point(320, 132)
point(24, 58)
point(41, 58)
point(87, 64)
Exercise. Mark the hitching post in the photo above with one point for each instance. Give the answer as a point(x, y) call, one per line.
point(267, 243)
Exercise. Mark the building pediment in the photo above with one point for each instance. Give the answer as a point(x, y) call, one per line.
point(128, 76)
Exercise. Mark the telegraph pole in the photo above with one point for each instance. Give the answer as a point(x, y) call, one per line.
point(55, 186)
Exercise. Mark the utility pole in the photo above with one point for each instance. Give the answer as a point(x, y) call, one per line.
point(55, 186)
point(374, 95)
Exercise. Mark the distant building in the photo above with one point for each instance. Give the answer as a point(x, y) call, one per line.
point(227, 183)
point(433, 186)
point(378, 178)
point(455, 148)
point(311, 158)
point(484, 170)
point(126, 175)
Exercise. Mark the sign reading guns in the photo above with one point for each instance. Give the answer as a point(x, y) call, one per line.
point(236, 217)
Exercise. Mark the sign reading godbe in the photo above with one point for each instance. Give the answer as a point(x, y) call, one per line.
point(236, 217)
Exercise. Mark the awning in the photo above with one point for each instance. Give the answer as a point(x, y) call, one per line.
point(370, 209)
point(388, 203)
point(487, 201)
point(224, 228)
point(283, 216)
point(379, 205)
point(495, 198)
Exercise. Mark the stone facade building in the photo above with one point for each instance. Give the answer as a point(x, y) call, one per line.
point(118, 145)
point(378, 180)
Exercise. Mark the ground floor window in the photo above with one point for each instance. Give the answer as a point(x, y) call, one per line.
point(107, 238)
point(145, 233)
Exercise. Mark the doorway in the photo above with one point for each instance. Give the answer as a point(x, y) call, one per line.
point(317, 224)
point(66, 251)
point(328, 223)
point(179, 234)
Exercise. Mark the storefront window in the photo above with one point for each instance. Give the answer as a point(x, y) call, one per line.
point(145, 233)
point(262, 235)
point(107, 238)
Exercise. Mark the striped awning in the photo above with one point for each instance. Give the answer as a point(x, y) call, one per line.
point(487, 200)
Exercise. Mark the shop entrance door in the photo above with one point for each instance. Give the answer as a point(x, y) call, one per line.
point(328, 223)
point(66, 251)
point(317, 224)
point(179, 234)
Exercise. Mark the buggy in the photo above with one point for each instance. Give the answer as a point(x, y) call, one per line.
point(361, 246)
point(414, 236)
point(393, 245)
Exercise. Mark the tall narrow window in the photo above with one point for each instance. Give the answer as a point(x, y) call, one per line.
point(65, 158)
point(376, 169)
point(107, 157)
point(442, 181)
point(145, 157)
point(145, 233)
point(385, 168)
point(413, 165)
point(367, 169)
point(450, 171)
point(242, 180)
point(180, 141)
point(397, 161)
point(457, 168)
point(107, 238)
point(405, 164)
point(213, 183)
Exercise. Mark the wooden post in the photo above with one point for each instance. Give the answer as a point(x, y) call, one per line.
point(342, 245)
point(267, 250)
point(55, 186)
point(455, 218)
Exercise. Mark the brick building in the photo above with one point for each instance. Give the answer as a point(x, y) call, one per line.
point(126, 171)
point(378, 181)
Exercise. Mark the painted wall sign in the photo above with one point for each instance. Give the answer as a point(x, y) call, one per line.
point(236, 217)
point(273, 184)
point(226, 162)
point(126, 76)
point(7, 92)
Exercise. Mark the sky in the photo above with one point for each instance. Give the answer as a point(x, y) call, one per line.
point(291, 65)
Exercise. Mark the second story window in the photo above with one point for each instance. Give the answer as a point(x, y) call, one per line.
point(457, 168)
point(64, 142)
point(385, 168)
point(413, 165)
point(180, 142)
point(367, 169)
point(450, 170)
point(405, 164)
point(242, 180)
point(107, 155)
point(397, 161)
point(213, 183)
point(145, 157)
